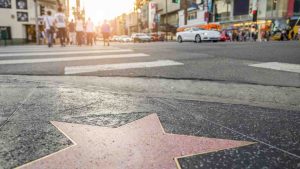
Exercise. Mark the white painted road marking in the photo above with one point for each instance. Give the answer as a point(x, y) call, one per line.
point(55, 49)
point(63, 59)
point(95, 68)
point(63, 53)
point(279, 66)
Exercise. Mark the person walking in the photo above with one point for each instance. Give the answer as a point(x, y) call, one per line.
point(230, 35)
point(79, 31)
point(90, 32)
point(49, 22)
point(105, 29)
point(60, 19)
point(72, 33)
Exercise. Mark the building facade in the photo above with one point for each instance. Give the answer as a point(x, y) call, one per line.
point(239, 12)
point(18, 20)
point(165, 15)
point(196, 13)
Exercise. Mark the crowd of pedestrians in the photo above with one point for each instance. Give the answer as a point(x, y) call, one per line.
point(246, 35)
point(72, 33)
point(253, 34)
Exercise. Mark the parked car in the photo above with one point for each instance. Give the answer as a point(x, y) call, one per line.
point(158, 36)
point(115, 38)
point(198, 35)
point(140, 37)
point(125, 38)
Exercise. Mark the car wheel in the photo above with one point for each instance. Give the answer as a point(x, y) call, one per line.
point(198, 39)
point(179, 39)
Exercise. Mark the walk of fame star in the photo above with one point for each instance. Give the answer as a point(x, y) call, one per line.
point(136, 145)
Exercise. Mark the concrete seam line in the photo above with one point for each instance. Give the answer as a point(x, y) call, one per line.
point(18, 108)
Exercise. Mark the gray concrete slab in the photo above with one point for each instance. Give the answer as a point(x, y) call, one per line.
point(263, 114)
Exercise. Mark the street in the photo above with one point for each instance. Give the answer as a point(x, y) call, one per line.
point(228, 62)
point(239, 100)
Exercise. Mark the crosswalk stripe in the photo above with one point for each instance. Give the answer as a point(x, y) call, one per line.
point(62, 59)
point(95, 68)
point(63, 53)
point(17, 50)
point(278, 66)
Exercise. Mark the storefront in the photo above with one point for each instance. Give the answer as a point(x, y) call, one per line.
point(30, 33)
point(18, 17)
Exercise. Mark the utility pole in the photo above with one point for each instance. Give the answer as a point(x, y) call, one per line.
point(36, 22)
point(184, 6)
point(68, 9)
point(166, 24)
point(77, 8)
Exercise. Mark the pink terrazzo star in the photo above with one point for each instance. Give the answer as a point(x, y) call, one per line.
point(141, 144)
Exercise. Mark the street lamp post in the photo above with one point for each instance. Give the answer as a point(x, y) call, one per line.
point(36, 22)
point(166, 24)
point(227, 8)
point(137, 20)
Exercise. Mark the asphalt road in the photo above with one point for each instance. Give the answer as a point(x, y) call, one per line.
point(228, 62)
point(207, 90)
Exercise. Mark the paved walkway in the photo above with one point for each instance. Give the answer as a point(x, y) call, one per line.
point(144, 122)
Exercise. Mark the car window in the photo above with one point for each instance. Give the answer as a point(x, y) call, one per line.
point(197, 29)
point(187, 29)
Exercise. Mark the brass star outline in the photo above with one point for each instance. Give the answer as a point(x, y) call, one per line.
point(143, 144)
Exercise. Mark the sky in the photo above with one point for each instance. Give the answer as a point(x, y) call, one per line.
point(100, 10)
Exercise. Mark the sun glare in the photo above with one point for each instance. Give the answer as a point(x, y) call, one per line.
point(99, 10)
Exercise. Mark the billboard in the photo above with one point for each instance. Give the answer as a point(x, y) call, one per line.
point(5, 3)
point(152, 15)
point(22, 16)
point(21, 4)
point(241, 7)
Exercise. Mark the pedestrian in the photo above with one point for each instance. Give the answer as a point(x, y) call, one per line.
point(42, 36)
point(268, 35)
point(262, 35)
point(72, 33)
point(243, 36)
point(60, 19)
point(105, 29)
point(230, 35)
point(79, 31)
point(90, 32)
point(49, 22)
point(95, 38)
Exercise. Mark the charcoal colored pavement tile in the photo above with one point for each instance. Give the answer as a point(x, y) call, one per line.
point(272, 126)
point(23, 141)
point(11, 99)
point(275, 131)
point(250, 157)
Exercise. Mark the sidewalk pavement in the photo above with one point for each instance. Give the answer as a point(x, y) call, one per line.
point(38, 112)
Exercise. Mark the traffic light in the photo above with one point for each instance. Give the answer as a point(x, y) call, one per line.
point(42, 10)
point(176, 1)
point(254, 19)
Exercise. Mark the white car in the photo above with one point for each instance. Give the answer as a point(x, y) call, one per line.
point(198, 35)
point(125, 38)
point(115, 38)
point(140, 37)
